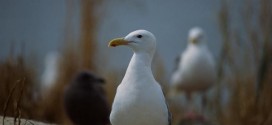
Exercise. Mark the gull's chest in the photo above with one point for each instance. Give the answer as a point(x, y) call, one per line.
point(135, 97)
point(135, 105)
point(196, 61)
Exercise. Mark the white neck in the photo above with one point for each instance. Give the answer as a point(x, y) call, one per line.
point(141, 59)
point(202, 45)
point(139, 67)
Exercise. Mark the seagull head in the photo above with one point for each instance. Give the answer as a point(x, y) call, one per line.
point(138, 41)
point(196, 36)
point(87, 79)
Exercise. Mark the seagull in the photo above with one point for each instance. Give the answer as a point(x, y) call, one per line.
point(51, 72)
point(195, 71)
point(139, 99)
point(85, 102)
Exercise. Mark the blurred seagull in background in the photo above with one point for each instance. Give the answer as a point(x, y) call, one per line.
point(51, 72)
point(85, 102)
point(139, 99)
point(195, 71)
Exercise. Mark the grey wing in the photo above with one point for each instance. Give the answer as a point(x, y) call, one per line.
point(169, 115)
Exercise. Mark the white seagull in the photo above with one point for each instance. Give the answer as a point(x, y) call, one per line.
point(51, 72)
point(196, 71)
point(139, 99)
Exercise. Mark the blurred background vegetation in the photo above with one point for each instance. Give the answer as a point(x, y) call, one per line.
point(244, 67)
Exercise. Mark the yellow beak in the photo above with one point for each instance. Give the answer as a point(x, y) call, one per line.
point(118, 42)
point(193, 40)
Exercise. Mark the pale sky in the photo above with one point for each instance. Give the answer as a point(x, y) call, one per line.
point(39, 24)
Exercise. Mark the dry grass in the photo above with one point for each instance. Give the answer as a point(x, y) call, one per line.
point(242, 108)
point(250, 101)
point(16, 87)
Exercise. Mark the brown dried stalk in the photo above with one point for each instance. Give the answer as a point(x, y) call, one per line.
point(8, 100)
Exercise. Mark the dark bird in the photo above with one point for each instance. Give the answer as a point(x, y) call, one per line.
point(85, 101)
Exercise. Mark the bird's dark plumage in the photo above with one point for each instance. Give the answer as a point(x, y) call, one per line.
point(85, 102)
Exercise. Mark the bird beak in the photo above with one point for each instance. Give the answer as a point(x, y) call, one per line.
point(193, 40)
point(101, 80)
point(118, 42)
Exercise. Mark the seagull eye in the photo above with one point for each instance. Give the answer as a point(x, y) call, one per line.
point(139, 36)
